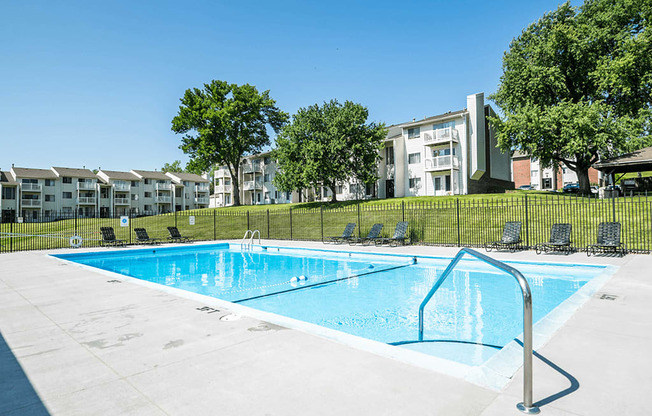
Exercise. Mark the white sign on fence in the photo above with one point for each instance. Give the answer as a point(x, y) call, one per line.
point(20, 220)
point(124, 221)
point(191, 219)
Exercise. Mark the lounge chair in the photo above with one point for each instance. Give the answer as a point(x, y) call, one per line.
point(143, 237)
point(347, 235)
point(398, 237)
point(608, 240)
point(176, 237)
point(559, 239)
point(108, 238)
point(374, 235)
point(511, 238)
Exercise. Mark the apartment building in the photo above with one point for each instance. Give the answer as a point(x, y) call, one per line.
point(454, 153)
point(529, 171)
point(45, 194)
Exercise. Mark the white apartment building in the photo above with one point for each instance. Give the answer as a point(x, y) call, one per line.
point(450, 154)
point(44, 194)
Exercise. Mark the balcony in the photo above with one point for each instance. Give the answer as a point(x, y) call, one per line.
point(252, 168)
point(222, 173)
point(121, 201)
point(30, 203)
point(86, 200)
point(122, 187)
point(441, 163)
point(440, 136)
point(31, 187)
point(201, 200)
point(252, 185)
point(163, 186)
point(201, 187)
point(225, 189)
point(163, 199)
point(85, 186)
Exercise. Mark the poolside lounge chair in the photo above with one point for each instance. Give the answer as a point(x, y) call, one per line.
point(176, 237)
point(108, 238)
point(608, 240)
point(374, 235)
point(559, 239)
point(143, 237)
point(511, 238)
point(398, 237)
point(347, 235)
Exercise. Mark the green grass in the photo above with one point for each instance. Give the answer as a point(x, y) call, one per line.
point(465, 220)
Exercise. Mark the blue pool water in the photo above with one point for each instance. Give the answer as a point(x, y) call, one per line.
point(475, 312)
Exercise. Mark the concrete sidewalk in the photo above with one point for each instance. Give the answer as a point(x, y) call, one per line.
point(78, 342)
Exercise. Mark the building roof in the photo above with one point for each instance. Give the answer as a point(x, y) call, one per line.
point(394, 131)
point(149, 174)
point(433, 119)
point(518, 154)
point(33, 173)
point(121, 176)
point(184, 176)
point(6, 179)
point(638, 161)
point(74, 172)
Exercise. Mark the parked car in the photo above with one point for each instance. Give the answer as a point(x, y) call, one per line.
point(572, 187)
point(526, 188)
point(594, 189)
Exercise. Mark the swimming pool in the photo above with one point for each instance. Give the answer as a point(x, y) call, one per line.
point(476, 312)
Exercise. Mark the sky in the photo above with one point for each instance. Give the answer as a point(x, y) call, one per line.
point(96, 84)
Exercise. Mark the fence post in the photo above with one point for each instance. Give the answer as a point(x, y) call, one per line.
point(129, 216)
point(175, 217)
point(613, 204)
point(248, 227)
point(459, 235)
point(321, 208)
point(268, 224)
point(11, 238)
point(359, 224)
point(76, 213)
point(214, 225)
point(527, 228)
point(290, 223)
point(403, 210)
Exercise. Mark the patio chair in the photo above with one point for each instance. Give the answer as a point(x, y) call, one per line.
point(510, 240)
point(108, 237)
point(347, 234)
point(608, 240)
point(374, 234)
point(143, 237)
point(176, 237)
point(559, 239)
point(399, 235)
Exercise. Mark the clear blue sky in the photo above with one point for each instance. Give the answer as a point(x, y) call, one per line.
point(97, 83)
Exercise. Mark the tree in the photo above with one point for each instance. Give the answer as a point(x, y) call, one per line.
point(577, 85)
point(326, 145)
point(172, 167)
point(222, 123)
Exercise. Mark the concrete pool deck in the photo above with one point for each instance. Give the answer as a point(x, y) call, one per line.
point(78, 342)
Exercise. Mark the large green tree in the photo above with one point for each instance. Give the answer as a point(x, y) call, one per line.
point(326, 145)
point(577, 85)
point(172, 167)
point(222, 123)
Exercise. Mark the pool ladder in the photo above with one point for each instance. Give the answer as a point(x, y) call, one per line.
point(526, 406)
point(247, 244)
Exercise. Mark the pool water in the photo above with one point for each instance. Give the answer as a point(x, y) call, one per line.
point(477, 310)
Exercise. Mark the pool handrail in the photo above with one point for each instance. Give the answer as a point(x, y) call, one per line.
point(251, 238)
point(526, 406)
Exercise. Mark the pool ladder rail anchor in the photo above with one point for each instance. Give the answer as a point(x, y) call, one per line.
point(526, 406)
point(247, 244)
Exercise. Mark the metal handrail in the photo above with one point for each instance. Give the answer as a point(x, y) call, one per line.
point(251, 235)
point(251, 240)
point(526, 406)
point(242, 242)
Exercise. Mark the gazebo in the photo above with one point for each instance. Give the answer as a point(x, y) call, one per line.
point(638, 161)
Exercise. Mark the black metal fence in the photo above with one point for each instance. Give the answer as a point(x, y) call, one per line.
point(450, 222)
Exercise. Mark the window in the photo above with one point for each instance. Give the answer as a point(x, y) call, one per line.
point(275, 194)
point(534, 173)
point(133, 197)
point(267, 177)
point(227, 182)
point(414, 132)
point(267, 160)
point(447, 179)
point(414, 158)
point(134, 183)
point(186, 183)
point(49, 198)
point(389, 155)
point(148, 207)
point(49, 182)
point(30, 196)
point(8, 193)
point(441, 152)
point(67, 195)
point(104, 192)
point(415, 183)
point(29, 181)
point(289, 196)
point(148, 194)
point(339, 189)
point(148, 181)
point(443, 125)
point(66, 179)
point(227, 199)
point(258, 197)
point(369, 189)
point(67, 210)
point(187, 196)
point(266, 195)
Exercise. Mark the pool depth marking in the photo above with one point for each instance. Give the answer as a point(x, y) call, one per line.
point(414, 261)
